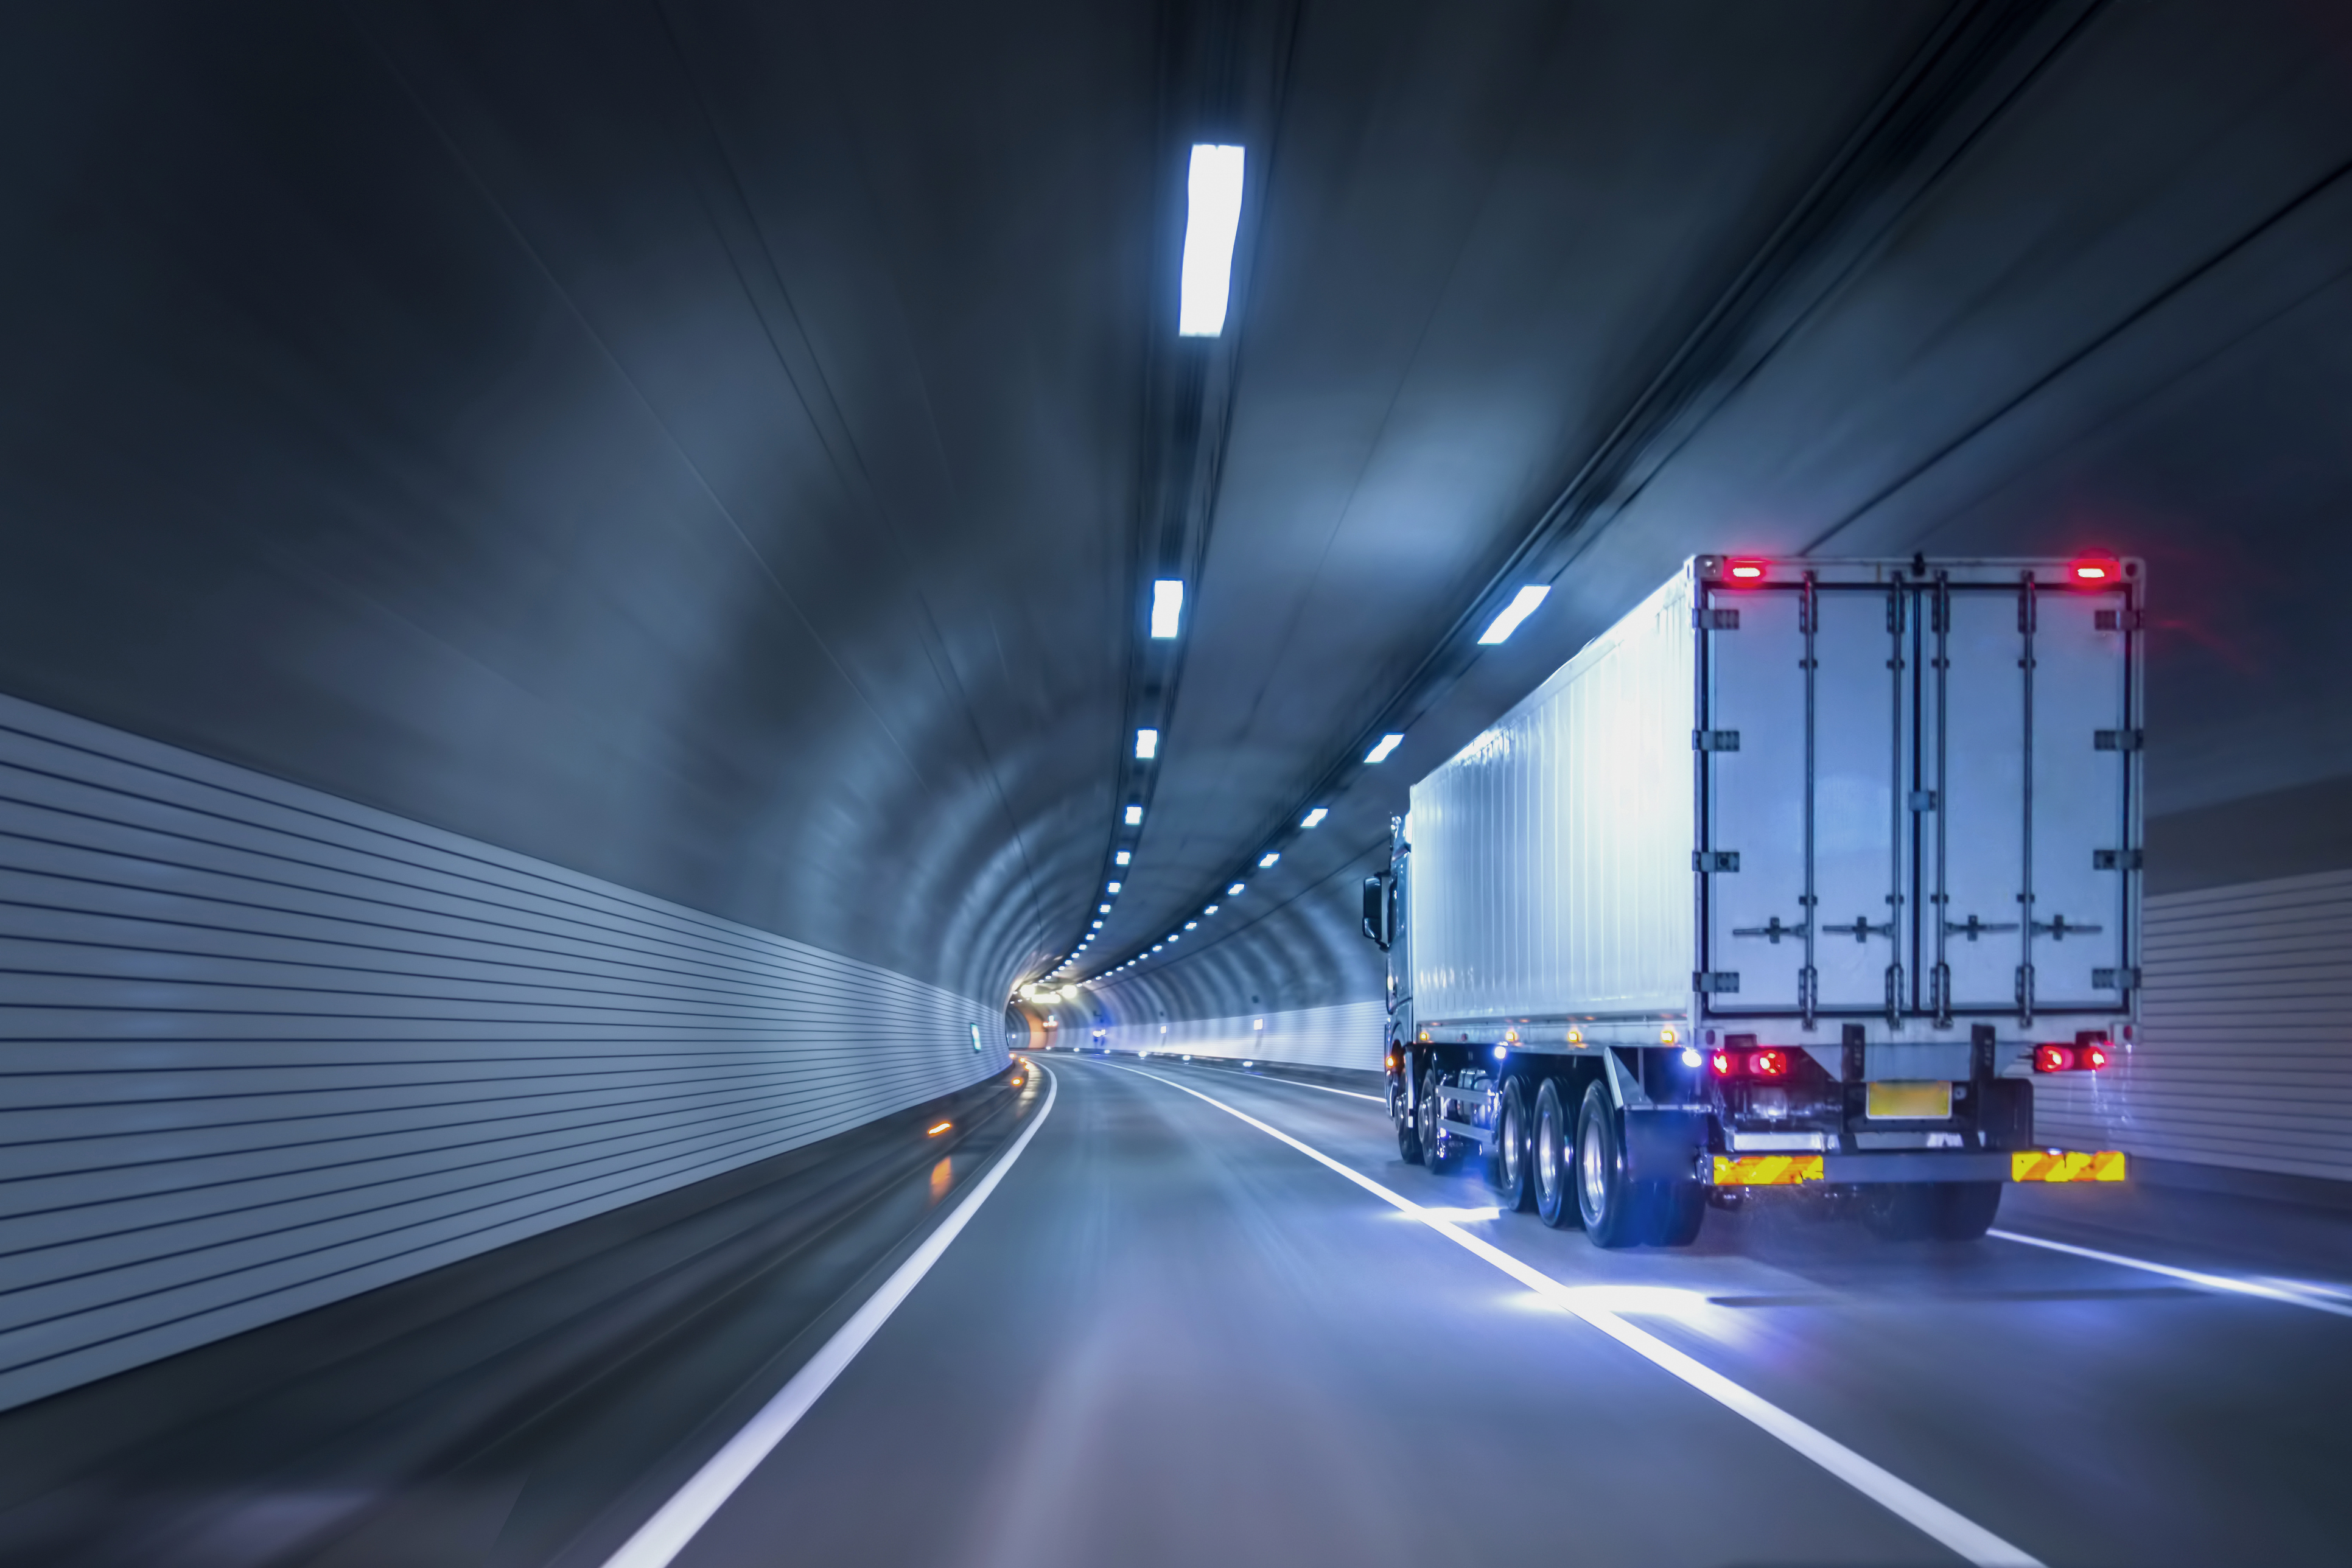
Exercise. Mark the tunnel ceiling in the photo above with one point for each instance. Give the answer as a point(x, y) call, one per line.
point(725, 448)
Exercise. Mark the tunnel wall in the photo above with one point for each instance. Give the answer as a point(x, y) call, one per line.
point(265, 1048)
point(1348, 1035)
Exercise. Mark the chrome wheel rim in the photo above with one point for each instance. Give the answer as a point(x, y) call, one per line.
point(1512, 1156)
point(1547, 1154)
point(1596, 1175)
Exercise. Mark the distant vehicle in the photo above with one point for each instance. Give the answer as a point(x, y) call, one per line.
point(1801, 875)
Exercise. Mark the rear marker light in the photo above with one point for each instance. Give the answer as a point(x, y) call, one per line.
point(2054, 1058)
point(2093, 1058)
point(1748, 571)
point(2095, 572)
point(1724, 1066)
point(1769, 1064)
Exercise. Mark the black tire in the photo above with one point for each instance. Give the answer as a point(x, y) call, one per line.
point(1611, 1206)
point(1677, 1211)
point(1408, 1132)
point(1552, 1159)
point(1506, 1156)
point(1439, 1152)
point(1931, 1211)
point(1967, 1210)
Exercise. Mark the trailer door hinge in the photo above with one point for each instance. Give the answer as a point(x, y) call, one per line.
point(1715, 740)
point(2118, 739)
point(1715, 980)
point(2115, 979)
point(1707, 620)
point(2115, 860)
point(1715, 859)
point(2117, 620)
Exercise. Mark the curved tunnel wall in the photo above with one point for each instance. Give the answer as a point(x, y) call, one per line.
point(267, 1049)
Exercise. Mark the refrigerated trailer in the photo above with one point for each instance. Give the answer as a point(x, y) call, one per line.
point(1801, 874)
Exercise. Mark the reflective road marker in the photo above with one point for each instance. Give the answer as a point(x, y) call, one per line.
point(1898, 1496)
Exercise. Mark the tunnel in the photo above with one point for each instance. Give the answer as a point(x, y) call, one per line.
point(742, 747)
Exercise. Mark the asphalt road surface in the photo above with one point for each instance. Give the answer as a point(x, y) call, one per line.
point(1170, 1337)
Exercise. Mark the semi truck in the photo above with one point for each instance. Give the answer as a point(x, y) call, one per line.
point(1802, 875)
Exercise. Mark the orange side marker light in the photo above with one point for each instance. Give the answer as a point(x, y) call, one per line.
point(939, 1129)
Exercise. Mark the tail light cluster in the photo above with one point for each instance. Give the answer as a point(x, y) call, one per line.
point(2088, 1056)
point(1773, 1063)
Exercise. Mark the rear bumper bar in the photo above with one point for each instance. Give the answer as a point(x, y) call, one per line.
point(1920, 1165)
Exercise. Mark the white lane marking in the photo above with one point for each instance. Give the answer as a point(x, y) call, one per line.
point(2221, 1282)
point(1327, 1088)
point(1898, 1496)
point(661, 1538)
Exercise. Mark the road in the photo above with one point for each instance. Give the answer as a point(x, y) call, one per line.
point(1169, 1337)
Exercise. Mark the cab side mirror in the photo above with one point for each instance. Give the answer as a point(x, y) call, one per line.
point(1376, 911)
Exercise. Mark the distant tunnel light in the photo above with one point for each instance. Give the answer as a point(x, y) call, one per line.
point(1102, 908)
point(1380, 753)
point(1192, 925)
point(1134, 815)
point(1122, 858)
point(1167, 607)
point(1523, 604)
point(1147, 745)
point(1314, 817)
point(1211, 909)
point(1268, 858)
point(1111, 887)
point(1212, 219)
point(1235, 891)
point(1098, 925)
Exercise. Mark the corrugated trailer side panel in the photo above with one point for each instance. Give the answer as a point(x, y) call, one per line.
point(1551, 871)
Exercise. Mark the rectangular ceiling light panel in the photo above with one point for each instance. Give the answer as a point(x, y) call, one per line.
point(1523, 604)
point(1134, 815)
point(1314, 817)
point(1380, 753)
point(1167, 607)
point(1147, 745)
point(1212, 218)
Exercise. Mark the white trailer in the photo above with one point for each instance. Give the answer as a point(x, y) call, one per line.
point(1799, 875)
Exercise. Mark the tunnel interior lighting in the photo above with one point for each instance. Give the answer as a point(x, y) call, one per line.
point(1134, 815)
point(1748, 571)
point(1212, 218)
point(1192, 925)
point(1379, 753)
point(1167, 607)
point(1096, 926)
point(1112, 886)
point(1235, 891)
point(1102, 908)
point(1523, 604)
point(1210, 909)
point(1314, 817)
point(1268, 858)
point(1125, 857)
point(1147, 745)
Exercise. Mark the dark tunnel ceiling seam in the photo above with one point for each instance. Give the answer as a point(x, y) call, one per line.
point(572, 307)
point(2082, 354)
point(837, 433)
point(1970, 47)
point(1219, 367)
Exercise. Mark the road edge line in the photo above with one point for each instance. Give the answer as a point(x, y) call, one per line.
point(1944, 1525)
point(2220, 1284)
point(660, 1538)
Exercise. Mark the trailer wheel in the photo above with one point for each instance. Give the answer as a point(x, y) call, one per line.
point(1611, 1206)
point(1554, 1179)
point(1506, 1156)
point(1967, 1210)
point(1439, 1152)
point(1678, 1210)
point(1408, 1131)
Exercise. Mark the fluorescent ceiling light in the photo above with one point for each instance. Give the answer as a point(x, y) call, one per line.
point(1268, 858)
point(1167, 607)
point(1102, 908)
point(1122, 858)
point(1523, 604)
point(1112, 886)
point(1236, 890)
point(1214, 216)
point(1380, 753)
point(1314, 817)
point(1209, 908)
point(1134, 814)
point(1192, 925)
point(1147, 745)
point(1098, 925)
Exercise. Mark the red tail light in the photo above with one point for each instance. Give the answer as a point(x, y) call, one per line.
point(2091, 1059)
point(2096, 571)
point(1747, 571)
point(2054, 1058)
point(1725, 1063)
point(1769, 1064)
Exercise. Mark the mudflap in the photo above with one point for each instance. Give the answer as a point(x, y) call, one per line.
point(1664, 1145)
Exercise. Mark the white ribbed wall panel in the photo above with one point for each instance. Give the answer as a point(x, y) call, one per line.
point(263, 1049)
point(2244, 1055)
point(1348, 1035)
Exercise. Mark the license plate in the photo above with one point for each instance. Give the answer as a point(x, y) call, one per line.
point(1910, 1101)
